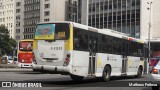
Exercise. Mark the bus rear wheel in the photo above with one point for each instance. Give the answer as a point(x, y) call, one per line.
point(139, 73)
point(76, 78)
point(106, 73)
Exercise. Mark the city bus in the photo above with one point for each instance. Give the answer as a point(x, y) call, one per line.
point(81, 51)
point(24, 55)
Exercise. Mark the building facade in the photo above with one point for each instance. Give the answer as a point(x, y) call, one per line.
point(7, 15)
point(74, 10)
point(19, 20)
point(127, 16)
point(53, 10)
point(119, 15)
point(31, 17)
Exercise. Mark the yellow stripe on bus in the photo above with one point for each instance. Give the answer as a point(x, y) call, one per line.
point(69, 43)
point(35, 44)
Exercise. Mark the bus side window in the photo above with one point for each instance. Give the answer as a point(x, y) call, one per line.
point(101, 43)
point(140, 50)
point(80, 40)
point(76, 42)
point(134, 48)
point(93, 38)
point(117, 45)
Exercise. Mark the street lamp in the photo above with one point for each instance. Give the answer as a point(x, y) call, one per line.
point(149, 30)
point(146, 65)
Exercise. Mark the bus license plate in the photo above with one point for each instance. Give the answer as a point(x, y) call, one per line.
point(49, 60)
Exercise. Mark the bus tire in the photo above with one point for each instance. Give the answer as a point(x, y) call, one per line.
point(139, 73)
point(106, 73)
point(76, 78)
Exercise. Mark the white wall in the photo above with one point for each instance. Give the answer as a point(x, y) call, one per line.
point(84, 14)
point(156, 20)
point(144, 18)
point(21, 14)
point(9, 15)
point(57, 10)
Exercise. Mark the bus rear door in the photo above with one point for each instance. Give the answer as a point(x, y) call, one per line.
point(124, 57)
point(92, 52)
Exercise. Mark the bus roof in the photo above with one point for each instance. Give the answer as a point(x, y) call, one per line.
point(119, 35)
point(112, 33)
point(102, 31)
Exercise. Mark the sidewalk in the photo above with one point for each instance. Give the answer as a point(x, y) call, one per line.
point(13, 68)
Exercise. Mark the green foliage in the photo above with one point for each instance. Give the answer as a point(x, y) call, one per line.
point(6, 43)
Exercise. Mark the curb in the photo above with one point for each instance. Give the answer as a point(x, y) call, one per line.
point(8, 66)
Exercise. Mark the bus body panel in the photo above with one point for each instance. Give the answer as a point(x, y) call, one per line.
point(80, 62)
point(133, 65)
point(114, 60)
point(25, 57)
point(50, 53)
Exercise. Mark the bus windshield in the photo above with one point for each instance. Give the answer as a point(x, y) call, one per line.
point(25, 45)
point(56, 31)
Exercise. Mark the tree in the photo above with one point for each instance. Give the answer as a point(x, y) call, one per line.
point(6, 43)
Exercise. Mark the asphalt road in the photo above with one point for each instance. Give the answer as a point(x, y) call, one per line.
point(61, 82)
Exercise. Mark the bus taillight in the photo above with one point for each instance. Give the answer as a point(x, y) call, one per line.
point(34, 58)
point(67, 60)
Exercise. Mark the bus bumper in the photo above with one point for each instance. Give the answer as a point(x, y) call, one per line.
point(50, 68)
point(24, 65)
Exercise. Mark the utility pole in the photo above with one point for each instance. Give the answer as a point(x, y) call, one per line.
point(149, 35)
point(149, 30)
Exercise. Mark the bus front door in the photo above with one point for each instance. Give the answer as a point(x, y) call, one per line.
point(124, 58)
point(92, 54)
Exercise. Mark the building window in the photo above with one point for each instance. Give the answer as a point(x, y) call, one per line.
point(46, 20)
point(17, 30)
point(46, 13)
point(17, 37)
point(18, 3)
point(17, 10)
point(47, 5)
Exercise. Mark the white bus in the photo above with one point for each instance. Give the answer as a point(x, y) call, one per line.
point(81, 51)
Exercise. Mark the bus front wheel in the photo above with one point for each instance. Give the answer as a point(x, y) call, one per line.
point(76, 78)
point(106, 73)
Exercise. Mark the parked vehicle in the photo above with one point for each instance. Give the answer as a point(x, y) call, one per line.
point(152, 63)
point(155, 73)
point(10, 59)
point(4, 60)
